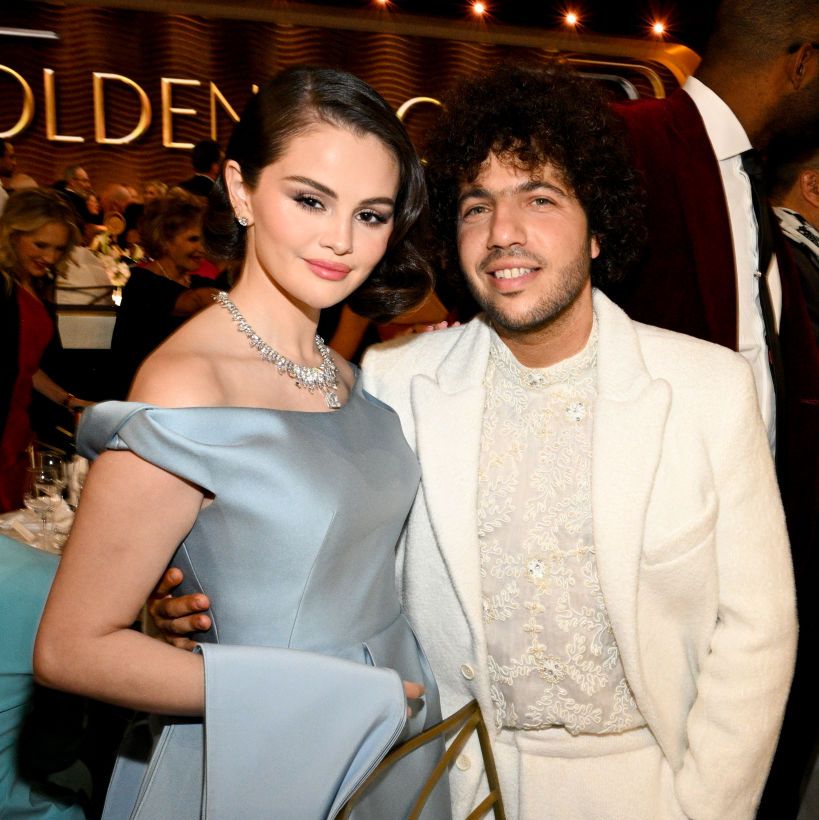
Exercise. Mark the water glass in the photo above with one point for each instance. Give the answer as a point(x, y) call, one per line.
point(41, 494)
point(49, 460)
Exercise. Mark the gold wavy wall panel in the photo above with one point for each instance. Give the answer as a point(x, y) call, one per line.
point(233, 54)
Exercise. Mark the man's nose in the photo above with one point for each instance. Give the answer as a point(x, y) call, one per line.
point(506, 226)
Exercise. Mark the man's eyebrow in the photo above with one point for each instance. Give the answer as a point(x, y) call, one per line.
point(477, 192)
point(537, 184)
point(474, 191)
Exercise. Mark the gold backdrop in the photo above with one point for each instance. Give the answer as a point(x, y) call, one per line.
point(202, 63)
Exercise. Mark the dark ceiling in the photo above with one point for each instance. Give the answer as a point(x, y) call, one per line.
point(687, 21)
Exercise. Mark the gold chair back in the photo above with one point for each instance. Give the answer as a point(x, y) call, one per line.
point(462, 725)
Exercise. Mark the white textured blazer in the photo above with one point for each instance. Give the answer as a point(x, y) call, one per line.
point(692, 551)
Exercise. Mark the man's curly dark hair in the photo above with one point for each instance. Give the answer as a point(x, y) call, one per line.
point(534, 115)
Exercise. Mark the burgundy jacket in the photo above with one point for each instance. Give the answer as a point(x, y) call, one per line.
point(686, 281)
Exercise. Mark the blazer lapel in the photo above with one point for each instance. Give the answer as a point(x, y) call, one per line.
point(448, 413)
point(631, 414)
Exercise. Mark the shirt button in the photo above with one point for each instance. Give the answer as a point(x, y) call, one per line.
point(467, 671)
point(463, 762)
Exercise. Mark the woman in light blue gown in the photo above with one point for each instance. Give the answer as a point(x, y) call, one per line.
point(250, 456)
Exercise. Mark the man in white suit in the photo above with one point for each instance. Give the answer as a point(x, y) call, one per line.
point(597, 552)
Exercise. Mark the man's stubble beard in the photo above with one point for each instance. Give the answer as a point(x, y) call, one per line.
point(568, 285)
point(797, 120)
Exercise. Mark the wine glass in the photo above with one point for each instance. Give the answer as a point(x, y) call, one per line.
point(41, 494)
point(49, 460)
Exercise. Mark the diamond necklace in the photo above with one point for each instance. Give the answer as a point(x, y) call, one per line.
point(323, 378)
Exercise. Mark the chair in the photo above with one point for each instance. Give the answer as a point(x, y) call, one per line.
point(465, 721)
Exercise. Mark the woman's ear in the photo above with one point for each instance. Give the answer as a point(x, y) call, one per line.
point(237, 191)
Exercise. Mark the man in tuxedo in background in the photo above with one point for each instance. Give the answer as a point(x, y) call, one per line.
point(75, 187)
point(794, 191)
point(759, 78)
point(206, 159)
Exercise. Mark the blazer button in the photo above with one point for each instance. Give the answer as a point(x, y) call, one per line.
point(467, 671)
point(463, 762)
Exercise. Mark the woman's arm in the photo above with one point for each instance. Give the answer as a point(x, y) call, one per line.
point(132, 517)
point(43, 383)
point(193, 300)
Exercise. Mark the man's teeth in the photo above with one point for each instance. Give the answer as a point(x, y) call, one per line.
point(511, 273)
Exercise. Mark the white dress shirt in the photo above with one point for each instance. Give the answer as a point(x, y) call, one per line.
point(729, 140)
point(552, 656)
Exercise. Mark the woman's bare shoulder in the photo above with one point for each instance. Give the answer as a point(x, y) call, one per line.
point(184, 371)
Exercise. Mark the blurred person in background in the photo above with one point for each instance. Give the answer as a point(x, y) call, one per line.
point(8, 162)
point(153, 189)
point(206, 159)
point(75, 187)
point(93, 204)
point(794, 191)
point(115, 198)
point(19, 182)
point(161, 293)
point(37, 233)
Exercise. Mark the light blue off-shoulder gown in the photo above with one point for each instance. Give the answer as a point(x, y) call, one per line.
point(296, 552)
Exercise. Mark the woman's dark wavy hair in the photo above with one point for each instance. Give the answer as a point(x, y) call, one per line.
point(534, 115)
point(289, 105)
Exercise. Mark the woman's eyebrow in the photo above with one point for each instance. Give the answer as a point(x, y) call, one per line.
point(313, 184)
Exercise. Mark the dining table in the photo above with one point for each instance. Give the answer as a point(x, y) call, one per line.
point(26, 573)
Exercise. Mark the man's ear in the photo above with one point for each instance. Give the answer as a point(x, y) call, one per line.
point(809, 186)
point(800, 64)
point(237, 191)
point(594, 247)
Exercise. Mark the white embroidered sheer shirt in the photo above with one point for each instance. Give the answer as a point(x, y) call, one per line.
point(553, 660)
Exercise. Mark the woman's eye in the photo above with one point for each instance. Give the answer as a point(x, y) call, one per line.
point(373, 218)
point(310, 202)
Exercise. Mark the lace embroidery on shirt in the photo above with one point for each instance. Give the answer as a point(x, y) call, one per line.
point(553, 660)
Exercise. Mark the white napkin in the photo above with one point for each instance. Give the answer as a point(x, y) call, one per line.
point(24, 525)
point(77, 469)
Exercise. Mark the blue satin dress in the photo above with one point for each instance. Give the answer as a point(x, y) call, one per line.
point(296, 552)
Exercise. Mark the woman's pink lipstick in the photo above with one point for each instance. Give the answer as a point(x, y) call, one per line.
point(333, 271)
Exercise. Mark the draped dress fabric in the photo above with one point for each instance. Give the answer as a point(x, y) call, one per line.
point(296, 551)
point(35, 331)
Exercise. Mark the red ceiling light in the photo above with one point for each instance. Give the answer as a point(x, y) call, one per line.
point(658, 28)
point(571, 19)
point(479, 8)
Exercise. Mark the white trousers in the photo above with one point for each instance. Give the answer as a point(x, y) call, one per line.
point(549, 775)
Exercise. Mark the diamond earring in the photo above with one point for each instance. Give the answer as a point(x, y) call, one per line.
point(242, 220)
